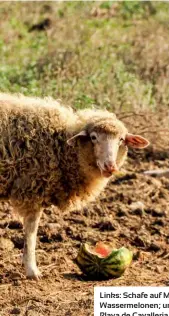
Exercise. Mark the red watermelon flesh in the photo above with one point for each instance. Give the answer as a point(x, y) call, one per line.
point(102, 249)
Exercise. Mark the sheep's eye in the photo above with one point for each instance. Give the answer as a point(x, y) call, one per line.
point(93, 138)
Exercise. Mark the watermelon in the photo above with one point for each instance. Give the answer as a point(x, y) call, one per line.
point(103, 261)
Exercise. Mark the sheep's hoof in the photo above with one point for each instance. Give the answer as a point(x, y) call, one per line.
point(33, 274)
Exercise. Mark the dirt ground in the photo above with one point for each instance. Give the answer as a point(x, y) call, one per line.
point(112, 218)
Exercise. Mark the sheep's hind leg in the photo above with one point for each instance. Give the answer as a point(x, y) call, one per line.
point(31, 221)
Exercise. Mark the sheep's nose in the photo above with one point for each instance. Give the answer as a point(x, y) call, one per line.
point(110, 166)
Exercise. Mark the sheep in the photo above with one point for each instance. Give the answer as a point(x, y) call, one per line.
point(52, 155)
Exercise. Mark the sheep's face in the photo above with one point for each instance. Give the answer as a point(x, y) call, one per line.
point(110, 141)
point(106, 147)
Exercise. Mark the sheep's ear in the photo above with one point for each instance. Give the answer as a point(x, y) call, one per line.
point(136, 141)
point(70, 141)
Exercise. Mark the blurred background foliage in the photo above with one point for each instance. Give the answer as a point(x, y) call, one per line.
point(107, 54)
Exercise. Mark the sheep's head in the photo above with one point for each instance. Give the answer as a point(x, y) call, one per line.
point(110, 141)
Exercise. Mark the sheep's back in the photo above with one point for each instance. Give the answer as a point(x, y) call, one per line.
point(30, 148)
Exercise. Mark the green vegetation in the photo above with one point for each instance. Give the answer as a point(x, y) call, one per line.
point(107, 54)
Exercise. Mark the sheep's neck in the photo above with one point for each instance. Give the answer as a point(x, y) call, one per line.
point(81, 180)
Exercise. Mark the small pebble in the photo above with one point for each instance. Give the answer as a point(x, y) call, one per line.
point(158, 269)
point(137, 208)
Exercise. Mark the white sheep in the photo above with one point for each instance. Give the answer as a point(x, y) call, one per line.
point(50, 154)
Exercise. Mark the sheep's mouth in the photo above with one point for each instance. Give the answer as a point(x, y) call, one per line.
point(107, 174)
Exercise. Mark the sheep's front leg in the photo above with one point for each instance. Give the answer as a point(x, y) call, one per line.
point(31, 221)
